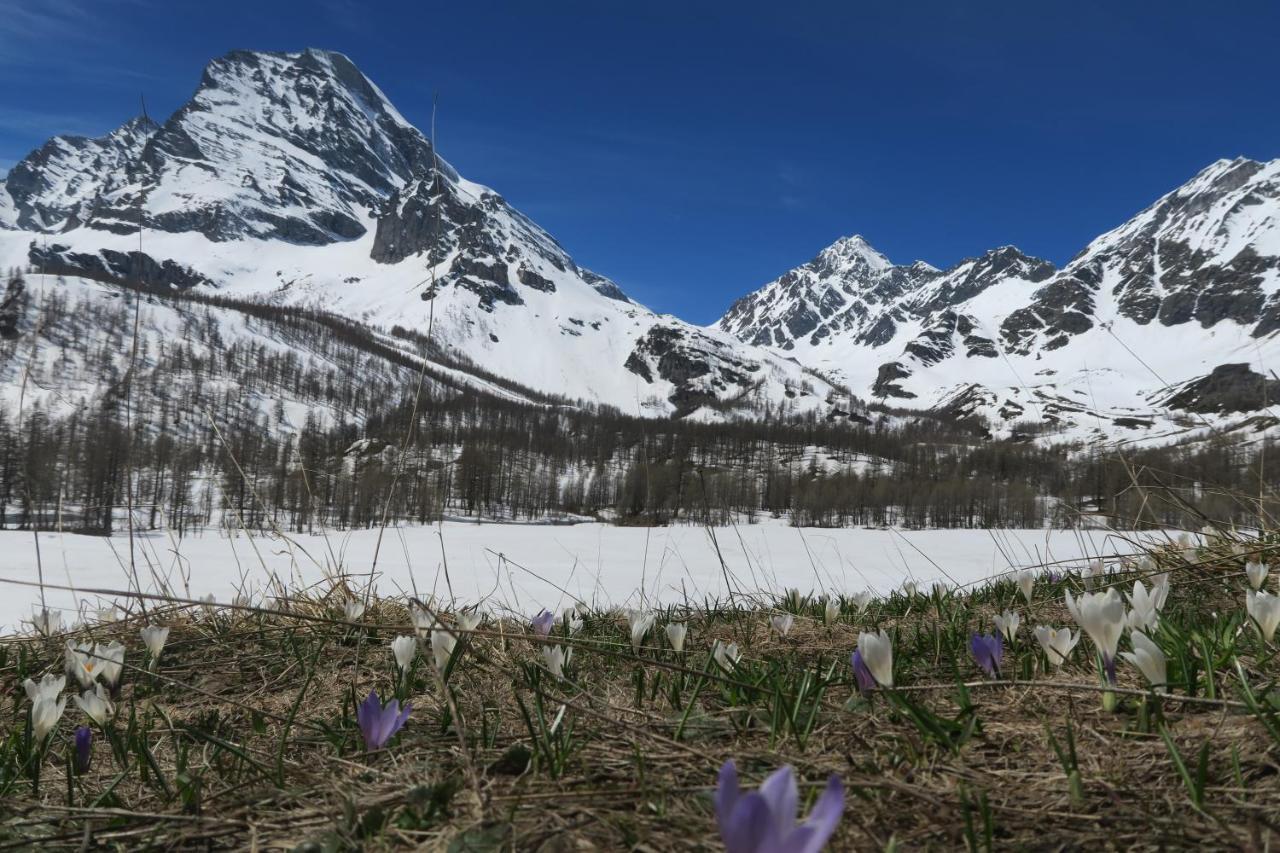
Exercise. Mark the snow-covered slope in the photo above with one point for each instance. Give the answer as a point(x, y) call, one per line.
point(290, 178)
point(53, 188)
point(1119, 343)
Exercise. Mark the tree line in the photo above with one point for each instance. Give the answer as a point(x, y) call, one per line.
point(254, 415)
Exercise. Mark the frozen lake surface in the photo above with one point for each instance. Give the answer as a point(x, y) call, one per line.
point(526, 567)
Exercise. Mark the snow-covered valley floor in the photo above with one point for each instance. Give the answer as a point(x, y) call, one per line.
point(525, 567)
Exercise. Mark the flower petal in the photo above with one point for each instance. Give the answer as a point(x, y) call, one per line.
point(780, 792)
point(726, 795)
point(751, 828)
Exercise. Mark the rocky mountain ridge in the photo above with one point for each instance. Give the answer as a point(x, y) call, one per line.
point(1190, 284)
point(290, 178)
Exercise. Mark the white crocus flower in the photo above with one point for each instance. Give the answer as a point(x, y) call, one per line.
point(877, 654)
point(1160, 589)
point(110, 613)
point(641, 622)
point(45, 713)
point(1160, 585)
point(442, 645)
point(1146, 607)
point(81, 662)
point(110, 662)
point(1026, 583)
point(861, 600)
point(469, 621)
point(941, 588)
point(555, 658)
point(1086, 575)
point(1257, 573)
point(209, 604)
point(726, 655)
point(1101, 615)
point(47, 688)
point(1264, 609)
point(352, 609)
point(572, 620)
point(831, 610)
point(676, 632)
point(1057, 644)
point(1148, 658)
point(782, 623)
point(96, 705)
point(404, 649)
point(910, 589)
point(154, 637)
point(1007, 624)
point(422, 621)
point(47, 622)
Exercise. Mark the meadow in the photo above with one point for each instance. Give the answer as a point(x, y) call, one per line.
point(248, 724)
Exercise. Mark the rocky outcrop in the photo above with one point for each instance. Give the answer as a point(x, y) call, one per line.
point(700, 369)
point(136, 268)
point(54, 188)
point(1228, 388)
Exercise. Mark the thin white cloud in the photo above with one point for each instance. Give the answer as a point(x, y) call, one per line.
point(37, 123)
point(29, 25)
point(30, 28)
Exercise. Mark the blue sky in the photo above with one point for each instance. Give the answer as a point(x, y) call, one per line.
point(693, 151)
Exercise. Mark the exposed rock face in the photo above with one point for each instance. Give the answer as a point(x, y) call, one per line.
point(1206, 253)
point(290, 178)
point(1228, 388)
point(700, 369)
point(298, 147)
point(53, 188)
point(1202, 262)
point(845, 290)
point(133, 267)
point(887, 381)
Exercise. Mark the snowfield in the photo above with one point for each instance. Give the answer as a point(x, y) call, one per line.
point(522, 568)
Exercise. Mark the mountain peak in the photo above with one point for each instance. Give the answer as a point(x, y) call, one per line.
point(300, 147)
point(853, 248)
point(53, 188)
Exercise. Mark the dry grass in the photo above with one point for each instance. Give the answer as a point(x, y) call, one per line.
point(647, 733)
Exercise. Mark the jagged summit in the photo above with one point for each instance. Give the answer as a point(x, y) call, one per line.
point(854, 250)
point(291, 178)
point(53, 187)
point(1011, 337)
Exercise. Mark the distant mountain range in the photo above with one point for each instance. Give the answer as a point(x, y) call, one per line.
point(1184, 296)
point(290, 179)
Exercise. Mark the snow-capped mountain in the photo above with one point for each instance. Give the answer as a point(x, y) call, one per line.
point(290, 178)
point(1182, 299)
point(54, 187)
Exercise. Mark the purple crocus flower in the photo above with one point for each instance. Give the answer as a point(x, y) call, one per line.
point(764, 821)
point(988, 651)
point(543, 622)
point(866, 681)
point(84, 749)
point(378, 723)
